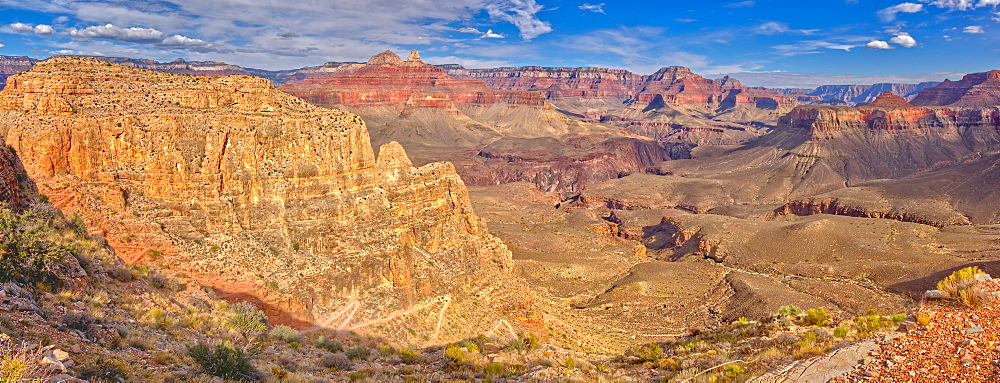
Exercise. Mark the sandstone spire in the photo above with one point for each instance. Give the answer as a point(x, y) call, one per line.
point(414, 57)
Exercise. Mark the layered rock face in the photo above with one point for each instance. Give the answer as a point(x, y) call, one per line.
point(489, 134)
point(672, 105)
point(856, 94)
point(260, 194)
point(11, 65)
point(976, 90)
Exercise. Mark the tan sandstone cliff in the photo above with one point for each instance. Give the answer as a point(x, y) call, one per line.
point(262, 196)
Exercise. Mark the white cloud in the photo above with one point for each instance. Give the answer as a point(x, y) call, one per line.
point(889, 14)
point(521, 13)
point(878, 44)
point(741, 4)
point(1, 45)
point(115, 33)
point(818, 46)
point(959, 5)
point(22, 28)
point(973, 29)
point(44, 30)
point(596, 8)
point(984, 3)
point(491, 35)
point(904, 40)
point(685, 20)
point(470, 30)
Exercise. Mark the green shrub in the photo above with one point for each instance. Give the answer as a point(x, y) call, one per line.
point(357, 353)
point(285, 333)
point(329, 345)
point(104, 370)
point(732, 370)
point(841, 332)
point(26, 250)
point(789, 311)
point(357, 375)
point(647, 352)
point(223, 361)
point(18, 364)
point(408, 355)
point(494, 369)
point(816, 317)
point(246, 318)
point(160, 319)
point(337, 361)
point(456, 353)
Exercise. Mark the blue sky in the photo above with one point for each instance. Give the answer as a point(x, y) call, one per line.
point(762, 42)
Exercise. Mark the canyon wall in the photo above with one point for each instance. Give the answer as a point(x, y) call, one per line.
point(260, 195)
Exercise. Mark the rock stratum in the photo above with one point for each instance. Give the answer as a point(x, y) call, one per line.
point(671, 105)
point(261, 196)
point(493, 136)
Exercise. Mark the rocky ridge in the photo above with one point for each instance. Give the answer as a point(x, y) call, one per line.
point(227, 178)
point(975, 90)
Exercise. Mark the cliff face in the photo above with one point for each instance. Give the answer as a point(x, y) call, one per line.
point(11, 65)
point(672, 105)
point(975, 90)
point(856, 94)
point(257, 193)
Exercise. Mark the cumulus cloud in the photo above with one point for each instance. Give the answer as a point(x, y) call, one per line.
point(904, 40)
point(878, 44)
point(521, 13)
point(596, 8)
point(889, 14)
point(1, 45)
point(973, 29)
point(470, 30)
point(984, 3)
point(491, 35)
point(115, 33)
point(22, 27)
point(40, 29)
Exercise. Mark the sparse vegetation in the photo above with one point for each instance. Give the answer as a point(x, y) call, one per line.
point(27, 246)
point(223, 361)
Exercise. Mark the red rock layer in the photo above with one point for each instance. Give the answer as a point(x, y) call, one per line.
point(674, 85)
point(11, 65)
point(387, 79)
point(974, 90)
point(10, 190)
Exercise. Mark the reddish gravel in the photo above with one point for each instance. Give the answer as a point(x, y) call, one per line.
point(959, 345)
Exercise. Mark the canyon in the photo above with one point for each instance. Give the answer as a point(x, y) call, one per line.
point(594, 208)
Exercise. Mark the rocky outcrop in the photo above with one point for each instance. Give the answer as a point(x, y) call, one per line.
point(262, 195)
point(976, 90)
point(12, 179)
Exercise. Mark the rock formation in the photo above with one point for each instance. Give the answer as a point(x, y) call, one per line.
point(976, 90)
point(261, 195)
point(856, 94)
point(491, 135)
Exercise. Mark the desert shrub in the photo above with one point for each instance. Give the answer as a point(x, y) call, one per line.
point(357, 375)
point(357, 353)
point(246, 318)
point(329, 345)
point(408, 355)
point(104, 370)
point(285, 333)
point(81, 321)
point(789, 311)
point(523, 342)
point(841, 332)
point(732, 370)
point(973, 296)
point(121, 274)
point(816, 317)
point(959, 280)
point(923, 318)
point(337, 361)
point(160, 319)
point(647, 352)
point(494, 369)
point(456, 353)
point(26, 250)
point(223, 361)
point(18, 364)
